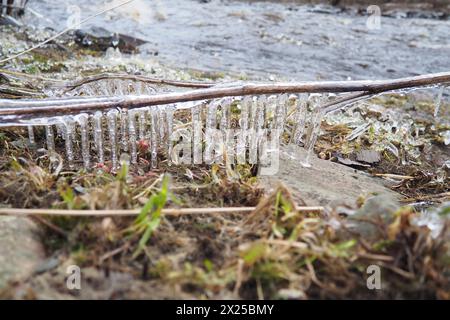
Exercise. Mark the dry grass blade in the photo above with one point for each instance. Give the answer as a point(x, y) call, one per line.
point(134, 212)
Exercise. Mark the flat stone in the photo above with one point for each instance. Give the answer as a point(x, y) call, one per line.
point(20, 249)
point(325, 182)
point(369, 156)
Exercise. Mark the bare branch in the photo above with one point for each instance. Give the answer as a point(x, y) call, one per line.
point(54, 106)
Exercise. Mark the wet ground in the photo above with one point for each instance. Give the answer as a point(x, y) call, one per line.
point(259, 39)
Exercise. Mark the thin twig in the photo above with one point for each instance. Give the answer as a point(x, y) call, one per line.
point(106, 76)
point(134, 212)
point(393, 176)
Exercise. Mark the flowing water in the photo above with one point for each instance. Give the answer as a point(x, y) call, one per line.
point(262, 38)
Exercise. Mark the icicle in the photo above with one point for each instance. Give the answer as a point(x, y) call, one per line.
point(132, 133)
point(280, 112)
point(162, 123)
point(120, 88)
point(241, 147)
point(142, 123)
point(60, 131)
point(98, 135)
point(211, 115)
point(226, 110)
point(83, 122)
point(438, 102)
point(124, 115)
point(271, 106)
point(69, 128)
point(169, 117)
point(260, 113)
point(257, 121)
point(31, 134)
point(50, 139)
point(316, 120)
point(197, 133)
point(211, 126)
point(300, 119)
point(154, 139)
point(225, 125)
point(112, 127)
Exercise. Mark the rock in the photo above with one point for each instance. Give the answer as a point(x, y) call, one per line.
point(378, 208)
point(325, 182)
point(101, 39)
point(20, 249)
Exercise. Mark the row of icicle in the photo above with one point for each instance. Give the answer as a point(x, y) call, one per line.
point(122, 131)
